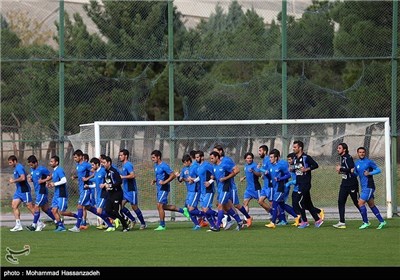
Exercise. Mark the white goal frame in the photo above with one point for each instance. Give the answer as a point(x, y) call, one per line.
point(387, 139)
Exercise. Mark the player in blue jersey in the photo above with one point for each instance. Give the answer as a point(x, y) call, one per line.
point(130, 189)
point(348, 185)
point(303, 165)
point(59, 203)
point(188, 172)
point(22, 192)
point(39, 176)
point(163, 176)
point(83, 174)
point(207, 187)
point(267, 191)
point(99, 177)
point(223, 176)
point(365, 168)
point(252, 175)
point(234, 196)
point(193, 167)
point(295, 194)
point(279, 172)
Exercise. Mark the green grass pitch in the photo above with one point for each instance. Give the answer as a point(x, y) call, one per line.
point(179, 245)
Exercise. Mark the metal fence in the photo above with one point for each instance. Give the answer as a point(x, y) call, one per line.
point(65, 63)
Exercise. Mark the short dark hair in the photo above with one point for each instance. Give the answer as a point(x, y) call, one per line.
point(186, 157)
point(361, 148)
point(13, 158)
point(248, 154)
point(125, 152)
point(299, 143)
point(78, 153)
point(32, 159)
point(215, 154)
point(275, 152)
point(157, 153)
point(95, 161)
point(264, 148)
point(56, 158)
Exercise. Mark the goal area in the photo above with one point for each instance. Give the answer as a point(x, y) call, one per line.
point(176, 138)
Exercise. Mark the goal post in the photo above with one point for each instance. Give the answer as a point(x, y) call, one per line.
point(321, 136)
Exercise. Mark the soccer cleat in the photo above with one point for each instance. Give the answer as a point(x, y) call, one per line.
point(125, 229)
point(339, 225)
point(319, 223)
point(296, 221)
point(196, 227)
point(117, 223)
point(381, 225)
point(74, 229)
point(60, 228)
point(303, 225)
point(213, 229)
point(160, 228)
point(109, 229)
point(322, 214)
point(270, 225)
point(239, 226)
point(249, 222)
point(203, 223)
point(30, 228)
point(365, 225)
point(186, 213)
point(229, 225)
point(282, 223)
point(143, 226)
point(101, 227)
point(131, 224)
point(224, 221)
point(17, 228)
point(83, 227)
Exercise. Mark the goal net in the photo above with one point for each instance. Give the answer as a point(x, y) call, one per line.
point(176, 138)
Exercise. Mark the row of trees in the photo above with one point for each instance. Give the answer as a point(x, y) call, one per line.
point(227, 67)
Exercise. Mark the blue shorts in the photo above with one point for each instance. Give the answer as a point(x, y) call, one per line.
point(268, 193)
point(131, 197)
point(100, 202)
point(235, 197)
point(162, 197)
point(224, 197)
point(206, 200)
point(279, 197)
point(192, 199)
point(92, 197)
point(367, 193)
point(41, 199)
point(25, 197)
point(84, 198)
point(60, 202)
point(250, 194)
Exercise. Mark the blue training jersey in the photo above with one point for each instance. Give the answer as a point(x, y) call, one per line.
point(253, 184)
point(23, 186)
point(128, 185)
point(162, 172)
point(83, 170)
point(366, 164)
point(204, 172)
point(37, 174)
point(60, 190)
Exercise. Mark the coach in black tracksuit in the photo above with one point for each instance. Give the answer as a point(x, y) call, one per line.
point(113, 184)
point(303, 165)
point(349, 185)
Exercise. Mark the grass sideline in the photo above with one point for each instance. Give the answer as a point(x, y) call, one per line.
point(179, 246)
